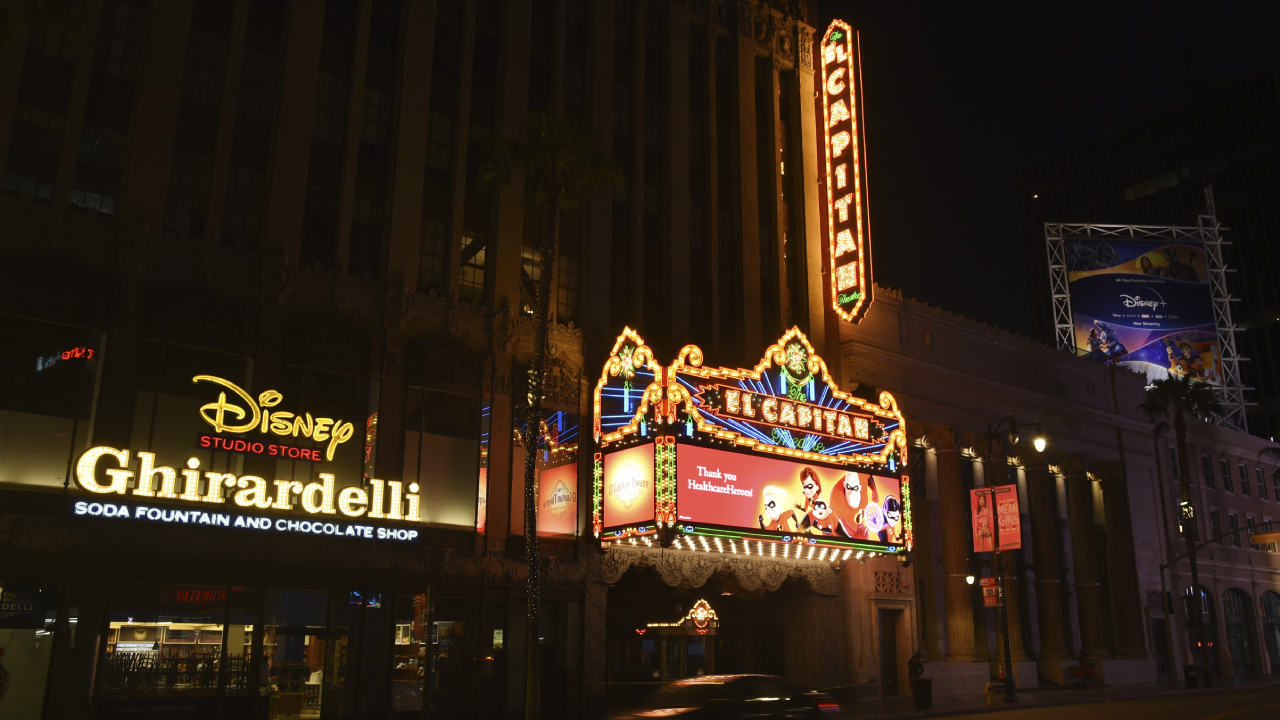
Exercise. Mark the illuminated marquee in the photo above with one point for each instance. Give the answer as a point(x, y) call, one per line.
point(849, 239)
point(711, 447)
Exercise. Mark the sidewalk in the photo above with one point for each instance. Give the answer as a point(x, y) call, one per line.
point(904, 707)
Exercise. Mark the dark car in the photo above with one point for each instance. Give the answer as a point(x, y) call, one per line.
point(734, 696)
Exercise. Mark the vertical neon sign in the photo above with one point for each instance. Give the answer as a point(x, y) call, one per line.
point(846, 184)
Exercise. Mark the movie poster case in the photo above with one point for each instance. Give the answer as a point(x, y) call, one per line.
point(773, 460)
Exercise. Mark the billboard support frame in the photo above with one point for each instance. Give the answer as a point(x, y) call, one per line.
point(1207, 232)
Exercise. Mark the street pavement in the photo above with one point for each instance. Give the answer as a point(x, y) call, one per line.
point(1253, 698)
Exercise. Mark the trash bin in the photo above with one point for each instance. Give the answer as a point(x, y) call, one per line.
point(1191, 673)
point(924, 693)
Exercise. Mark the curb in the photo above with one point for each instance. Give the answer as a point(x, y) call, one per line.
point(1052, 703)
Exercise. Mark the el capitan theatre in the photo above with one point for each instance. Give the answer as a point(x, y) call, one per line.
point(773, 461)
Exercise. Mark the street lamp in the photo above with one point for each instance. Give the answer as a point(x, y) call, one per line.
point(968, 579)
point(992, 437)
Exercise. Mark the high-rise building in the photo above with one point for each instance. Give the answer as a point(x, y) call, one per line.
point(1154, 173)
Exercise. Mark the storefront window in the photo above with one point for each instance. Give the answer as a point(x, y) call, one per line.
point(305, 643)
point(448, 653)
point(162, 643)
point(26, 644)
point(442, 454)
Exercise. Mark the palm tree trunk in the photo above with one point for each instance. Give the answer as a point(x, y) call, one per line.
point(1191, 535)
point(550, 247)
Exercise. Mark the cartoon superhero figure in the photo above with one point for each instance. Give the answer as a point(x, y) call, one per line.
point(779, 520)
point(892, 531)
point(820, 519)
point(857, 528)
point(811, 487)
point(1178, 270)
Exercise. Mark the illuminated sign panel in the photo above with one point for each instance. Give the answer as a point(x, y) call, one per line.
point(558, 500)
point(729, 489)
point(849, 240)
point(628, 490)
point(246, 415)
point(777, 453)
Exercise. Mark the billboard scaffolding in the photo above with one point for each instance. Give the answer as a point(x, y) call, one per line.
point(1152, 298)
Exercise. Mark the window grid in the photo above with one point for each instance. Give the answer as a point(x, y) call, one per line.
point(206, 62)
point(1207, 466)
point(567, 296)
point(1215, 527)
point(257, 99)
point(1251, 526)
point(377, 117)
point(1227, 484)
point(1234, 523)
point(188, 192)
point(331, 109)
point(471, 282)
point(122, 35)
point(435, 255)
point(1174, 466)
point(1244, 480)
point(35, 148)
point(1262, 483)
point(242, 213)
point(439, 141)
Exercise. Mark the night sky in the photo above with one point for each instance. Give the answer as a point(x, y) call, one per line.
point(961, 96)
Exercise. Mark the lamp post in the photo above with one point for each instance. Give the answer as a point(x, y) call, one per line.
point(992, 437)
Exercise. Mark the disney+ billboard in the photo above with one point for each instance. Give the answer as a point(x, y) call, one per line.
point(1145, 304)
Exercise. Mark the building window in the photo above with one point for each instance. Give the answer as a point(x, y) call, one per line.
point(206, 62)
point(530, 274)
point(567, 295)
point(377, 117)
point(1207, 466)
point(257, 99)
point(471, 282)
point(435, 256)
point(242, 213)
point(34, 151)
point(188, 192)
point(1227, 484)
point(439, 141)
point(1250, 523)
point(1174, 466)
point(122, 35)
point(1244, 480)
point(1215, 527)
point(1233, 522)
point(98, 169)
point(1262, 483)
point(331, 109)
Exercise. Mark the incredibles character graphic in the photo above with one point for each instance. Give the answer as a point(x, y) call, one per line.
point(892, 531)
point(779, 520)
point(852, 487)
point(811, 487)
point(820, 520)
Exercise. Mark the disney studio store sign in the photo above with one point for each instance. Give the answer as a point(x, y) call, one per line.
point(132, 486)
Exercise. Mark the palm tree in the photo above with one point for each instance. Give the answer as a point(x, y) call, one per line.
point(562, 169)
point(1177, 398)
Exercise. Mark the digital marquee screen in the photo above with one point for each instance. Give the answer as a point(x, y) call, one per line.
point(738, 490)
point(628, 487)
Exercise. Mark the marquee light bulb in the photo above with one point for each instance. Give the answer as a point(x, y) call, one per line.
point(193, 463)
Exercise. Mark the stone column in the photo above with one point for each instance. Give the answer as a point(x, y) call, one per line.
point(1125, 608)
point(955, 542)
point(1088, 591)
point(1042, 496)
point(996, 472)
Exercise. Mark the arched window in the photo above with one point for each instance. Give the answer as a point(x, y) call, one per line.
point(1270, 606)
point(1195, 628)
point(1237, 612)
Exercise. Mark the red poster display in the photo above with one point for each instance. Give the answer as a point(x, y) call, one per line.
point(628, 486)
point(982, 510)
point(558, 500)
point(734, 489)
point(989, 596)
